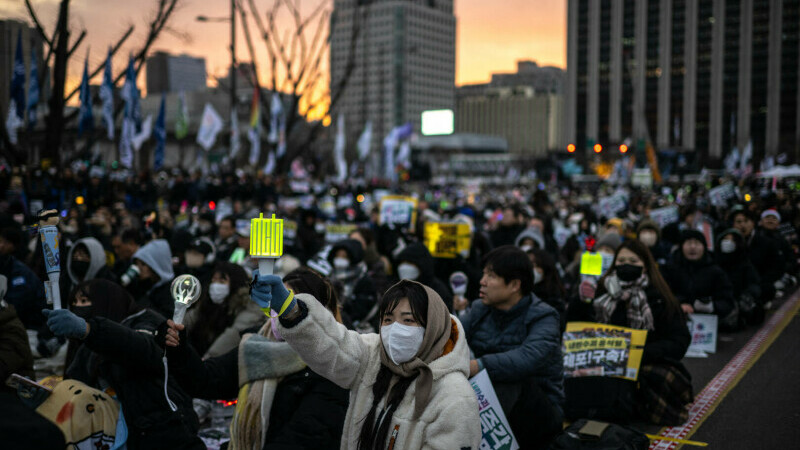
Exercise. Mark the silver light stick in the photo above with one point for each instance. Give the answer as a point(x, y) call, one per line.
point(185, 291)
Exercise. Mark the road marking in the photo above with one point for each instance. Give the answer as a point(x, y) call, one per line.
point(711, 396)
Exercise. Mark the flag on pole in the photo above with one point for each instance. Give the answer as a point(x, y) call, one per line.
point(107, 96)
point(364, 141)
point(235, 142)
point(16, 103)
point(254, 131)
point(86, 121)
point(270, 166)
point(389, 143)
point(276, 110)
point(161, 136)
point(404, 154)
point(338, 150)
point(130, 93)
point(33, 91)
point(125, 142)
point(210, 126)
point(182, 122)
point(144, 134)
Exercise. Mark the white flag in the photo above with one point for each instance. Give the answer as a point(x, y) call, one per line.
point(254, 136)
point(404, 154)
point(13, 122)
point(275, 111)
point(389, 143)
point(270, 166)
point(125, 144)
point(338, 150)
point(747, 153)
point(210, 126)
point(364, 141)
point(147, 130)
point(235, 142)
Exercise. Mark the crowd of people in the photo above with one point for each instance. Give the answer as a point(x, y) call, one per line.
point(363, 338)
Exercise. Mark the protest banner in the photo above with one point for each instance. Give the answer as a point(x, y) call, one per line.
point(495, 429)
point(665, 216)
point(609, 207)
point(720, 195)
point(703, 329)
point(596, 349)
point(335, 232)
point(398, 211)
point(642, 178)
point(447, 240)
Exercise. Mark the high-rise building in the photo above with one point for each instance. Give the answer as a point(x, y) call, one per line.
point(404, 62)
point(698, 75)
point(9, 31)
point(175, 73)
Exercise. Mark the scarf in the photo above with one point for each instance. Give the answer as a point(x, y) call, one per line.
point(437, 334)
point(639, 314)
point(263, 363)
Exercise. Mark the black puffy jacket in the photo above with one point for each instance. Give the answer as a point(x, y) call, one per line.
point(125, 357)
point(696, 280)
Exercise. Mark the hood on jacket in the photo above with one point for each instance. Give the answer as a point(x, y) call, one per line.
point(418, 255)
point(455, 360)
point(157, 255)
point(531, 233)
point(355, 253)
point(741, 249)
point(678, 253)
point(97, 258)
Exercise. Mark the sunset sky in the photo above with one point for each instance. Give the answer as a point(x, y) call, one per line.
point(492, 35)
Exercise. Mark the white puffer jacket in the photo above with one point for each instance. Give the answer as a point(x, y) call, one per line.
point(352, 361)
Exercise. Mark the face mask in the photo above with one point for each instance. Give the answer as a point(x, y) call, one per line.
point(408, 271)
point(273, 317)
point(84, 312)
point(80, 268)
point(648, 238)
point(727, 246)
point(526, 248)
point(218, 292)
point(401, 342)
point(537, 276)
point(628, 272)
point(319, 228)
point(341, 263)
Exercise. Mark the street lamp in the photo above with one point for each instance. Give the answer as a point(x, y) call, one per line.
point(232, 20)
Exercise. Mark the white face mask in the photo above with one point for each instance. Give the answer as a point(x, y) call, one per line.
point(218, 292)
point(526, 248)
point(341, 263)
point(401, 342)
point(537, 276)
point(648, 238)
point(727, 246)
point(407, 271)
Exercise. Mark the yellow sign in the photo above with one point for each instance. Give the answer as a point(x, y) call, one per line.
point(266, 237)
point(596, 349)
point(447, 240)
point(591, 264)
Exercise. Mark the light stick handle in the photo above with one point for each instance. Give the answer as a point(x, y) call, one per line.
point(180, 311)
point(266, 266)
point(54, 291)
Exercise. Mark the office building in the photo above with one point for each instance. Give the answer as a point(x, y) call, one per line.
point(175, 73)
point(705, 75)
point(404, 63)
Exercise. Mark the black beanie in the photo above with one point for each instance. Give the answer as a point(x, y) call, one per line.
point(693, 234)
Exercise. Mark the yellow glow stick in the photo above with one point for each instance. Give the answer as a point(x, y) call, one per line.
point(266, 242)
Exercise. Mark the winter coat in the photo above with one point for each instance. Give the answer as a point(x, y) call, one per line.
point(352, 361)
point(739, 269)
point(246, 314)
point(697, 280)
point(419, 255)
point(767, 259)
point(25, 291)
point(360, 295)
point(15, 352)
point(307, 411)
point(667, 341)
point(97, 267)
point(125, 357)
point(520, 344)
point(503, 235)
point(157, 255)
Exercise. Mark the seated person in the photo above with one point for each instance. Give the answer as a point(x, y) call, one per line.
point(516, 337)
point(731, 255)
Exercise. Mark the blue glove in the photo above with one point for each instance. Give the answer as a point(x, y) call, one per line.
point(62, 322)
point(268, 292)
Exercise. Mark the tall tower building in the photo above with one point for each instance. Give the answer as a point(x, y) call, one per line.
point(698, 75)
point(175, 73)
point(404, 62)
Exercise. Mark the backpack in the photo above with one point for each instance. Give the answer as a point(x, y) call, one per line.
point(587, 434)
point(602, 398)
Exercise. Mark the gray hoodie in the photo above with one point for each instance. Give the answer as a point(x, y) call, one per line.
point(97, 259)
point(157, 255)
point(532, 233)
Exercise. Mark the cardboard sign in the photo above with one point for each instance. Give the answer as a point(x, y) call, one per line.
point(335, 232)
point(642, 178)
point(447, 240)
point(495, 429)
point(703, 328)
point(609, 207)
point(399, 212)
point(600, 350)
point(665, 216)
point(720, 195)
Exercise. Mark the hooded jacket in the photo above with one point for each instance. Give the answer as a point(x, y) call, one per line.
point(97, 259)
point(531, 233)
point(419, 255)
point(737, 265)
point(353, 360)
point(359, 294)
point(157, 255)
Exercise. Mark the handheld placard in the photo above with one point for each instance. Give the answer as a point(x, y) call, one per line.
point(185, 291)
point(458, 283)
point(266, 242)
point(48, 231)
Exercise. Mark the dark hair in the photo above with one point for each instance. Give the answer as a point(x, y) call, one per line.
point(132, 235)
point(230, 219)
point(651, 269)
point(372, 438)
point(551, 285)
point(306, 281)
point(749, 215)
point(213, 319)
point(511, 263)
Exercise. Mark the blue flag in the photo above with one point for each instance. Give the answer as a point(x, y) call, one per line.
point(86, 122)
point(161, 136)
point(18, 80)
point(130, 93)
point(107, 96)
point(33, 90)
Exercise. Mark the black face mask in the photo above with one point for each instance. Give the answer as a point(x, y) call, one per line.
point(628, 272)
point(84, 312)
point(80, 268)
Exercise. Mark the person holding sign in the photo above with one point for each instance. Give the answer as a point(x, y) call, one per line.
point(633, 294)
point(408, 385)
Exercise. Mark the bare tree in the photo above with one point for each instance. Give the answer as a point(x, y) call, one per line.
point(296, 64)
point(60, 50)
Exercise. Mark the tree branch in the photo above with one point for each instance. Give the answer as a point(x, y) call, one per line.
point(76, 44)
point(38, 25)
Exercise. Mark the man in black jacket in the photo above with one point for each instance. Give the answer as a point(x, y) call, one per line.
point(763, 252)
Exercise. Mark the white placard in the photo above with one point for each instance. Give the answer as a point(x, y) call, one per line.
point(665, 216)
point(495, 429)
point(703, 329)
